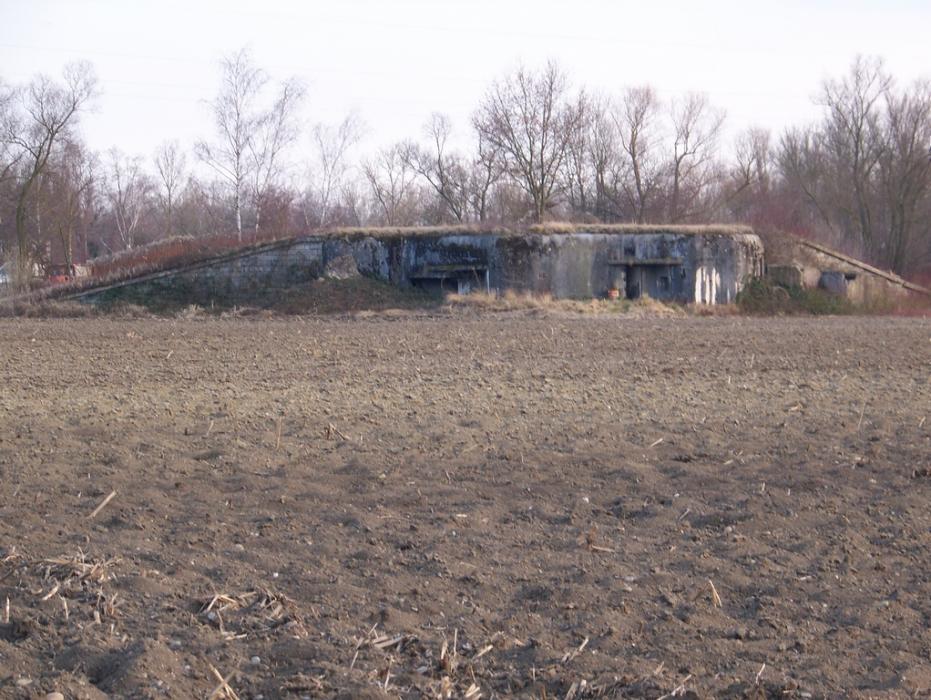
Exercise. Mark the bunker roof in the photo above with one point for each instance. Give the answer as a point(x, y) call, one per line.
point(550, 228)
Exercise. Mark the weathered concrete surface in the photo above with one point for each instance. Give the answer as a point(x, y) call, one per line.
point(799, 262)
point(688, 267)
point(252, 275)
point(672, 264)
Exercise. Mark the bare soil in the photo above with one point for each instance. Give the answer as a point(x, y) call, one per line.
point(465, 505)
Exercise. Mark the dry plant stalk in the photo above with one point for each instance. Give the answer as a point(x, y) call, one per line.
point(386, 641)
point(482, 652)
point(224, 689)
point(332, 430)
point(678, 690)
point(78, 568)
point(759, 674)
point(449, 660)
point(569, 655)
point(103, 503)
point(273, 610)
point(590, 541)
point(51, 592)
point(715, 598)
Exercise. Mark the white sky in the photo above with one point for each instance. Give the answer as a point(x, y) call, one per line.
point(396, 61)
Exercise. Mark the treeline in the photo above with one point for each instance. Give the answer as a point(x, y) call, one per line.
point(540, 148)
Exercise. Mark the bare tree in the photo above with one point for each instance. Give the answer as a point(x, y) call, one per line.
point(696, 126)
point(852, 140)
point(332, 145)
point(802, 166)
point(353, 202)
point(486, 172)
point(752, 158)
point(128, 191)
point(863, 172)
point(277, 130)
point(38, 116)
point(637, 123)
point(237, 120)
point(606, 166)
point(445, 172)
point(202, 206)
point(392, 185)
point(905, 179)
point(531, 119)
point(9, 154)
point(170, 164)
point(750, 178)
point(71, 181)
point(577, 171)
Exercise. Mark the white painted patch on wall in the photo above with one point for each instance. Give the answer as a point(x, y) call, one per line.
point(707, 283)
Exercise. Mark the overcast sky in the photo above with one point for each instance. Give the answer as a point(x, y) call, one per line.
point(396, 61)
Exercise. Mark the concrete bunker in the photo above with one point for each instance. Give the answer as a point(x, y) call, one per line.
point(686, 264)
point(798, 262)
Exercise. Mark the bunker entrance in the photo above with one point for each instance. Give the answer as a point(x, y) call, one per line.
point(451, 279)
point(655, 277)
point(634, 278)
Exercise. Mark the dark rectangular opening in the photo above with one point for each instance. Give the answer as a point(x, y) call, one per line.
point(436, 286)
point(450, 279)
point(634, 282)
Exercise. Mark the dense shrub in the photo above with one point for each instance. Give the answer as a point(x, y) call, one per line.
point(762, 296)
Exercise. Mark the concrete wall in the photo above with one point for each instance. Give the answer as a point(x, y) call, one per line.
point(702, 268)
point(247, 276)
point(708, 267)
point(820, 267)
